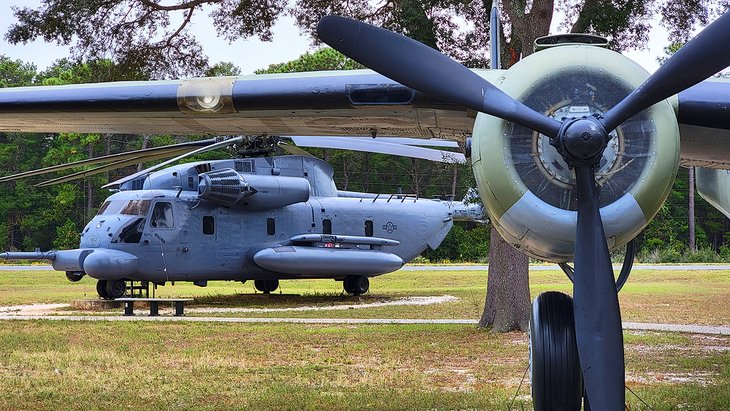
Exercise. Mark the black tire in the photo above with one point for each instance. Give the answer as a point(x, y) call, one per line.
point(356, 284)
point(116, 288)
point(347, 285)
point(266, 286)
point(75, 276)
point(101, 289)
point(557, 381)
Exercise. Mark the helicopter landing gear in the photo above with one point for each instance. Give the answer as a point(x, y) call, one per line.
point(266, 286)
point(557, 381)
point(75, 276)
point(356, 284)
point(101, 289)
point(112, 289)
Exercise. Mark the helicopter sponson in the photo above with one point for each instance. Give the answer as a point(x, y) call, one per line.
point(261, 219)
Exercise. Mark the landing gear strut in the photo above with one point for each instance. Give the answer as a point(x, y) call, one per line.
point(557, 380)
point(356, 284)
point(266, 286)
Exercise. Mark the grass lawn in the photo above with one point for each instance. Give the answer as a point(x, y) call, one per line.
point(680, 297)
point(104, 365)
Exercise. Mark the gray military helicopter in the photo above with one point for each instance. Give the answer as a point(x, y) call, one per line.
point(262, 219)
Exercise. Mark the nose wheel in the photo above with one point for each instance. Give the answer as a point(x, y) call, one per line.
point(557, 381)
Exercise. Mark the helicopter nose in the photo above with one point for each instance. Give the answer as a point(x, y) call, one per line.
point(108, 264)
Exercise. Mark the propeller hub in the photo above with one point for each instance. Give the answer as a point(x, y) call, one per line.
point(581, 141)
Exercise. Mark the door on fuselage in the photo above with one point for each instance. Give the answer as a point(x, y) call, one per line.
point(161, 234)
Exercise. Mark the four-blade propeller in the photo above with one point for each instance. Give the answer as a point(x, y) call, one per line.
point(581, 142)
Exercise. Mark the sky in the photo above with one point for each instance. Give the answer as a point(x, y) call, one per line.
point(250, 54)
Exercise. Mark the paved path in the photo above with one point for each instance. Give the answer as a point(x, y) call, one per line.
point(683, 267)
point(694, 329)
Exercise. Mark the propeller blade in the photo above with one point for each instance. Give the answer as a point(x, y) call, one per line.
point(420, 67)
point(169, 150)
point(595, 303)
point(148, 170)
point(112, 166)
point(374, 146)
point(293, 150)
point(701, 57)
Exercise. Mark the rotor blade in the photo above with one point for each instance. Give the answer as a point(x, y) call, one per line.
point(294, 150)
point(408, 141)
point(595, 303)
point(173, 148)
point(148, 170)
point(420, 67)
point(112, 166)
point(374, 146)
point(701, 57)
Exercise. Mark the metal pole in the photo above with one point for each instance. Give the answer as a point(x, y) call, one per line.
point(494, 26)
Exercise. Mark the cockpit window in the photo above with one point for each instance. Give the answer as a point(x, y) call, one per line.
point(136, 207)
point(162, 215)
point(126, 207)
point(132, 233)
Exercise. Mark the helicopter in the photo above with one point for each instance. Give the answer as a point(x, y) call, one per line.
point(261, 218)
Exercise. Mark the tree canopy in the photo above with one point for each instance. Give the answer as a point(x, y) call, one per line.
point(153, 38)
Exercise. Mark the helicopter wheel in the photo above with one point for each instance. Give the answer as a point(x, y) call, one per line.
point(75, 276)
point(557, 381)
point(266, 286)
point(115, 288)
point(356, 284)
point(101, 289)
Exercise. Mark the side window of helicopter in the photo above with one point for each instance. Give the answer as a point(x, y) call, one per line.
point(132, 233)
point(368, 228)
point(208, 225)
point(270, 226)
point(326, 226)
point(162, 215)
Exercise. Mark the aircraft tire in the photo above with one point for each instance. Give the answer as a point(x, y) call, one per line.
point(101, 289)
point(557, 381)
point(115, 289)
point(75, 276)
point(266, 286)
point(356, 284)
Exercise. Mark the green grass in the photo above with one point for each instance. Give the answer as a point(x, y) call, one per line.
point(101, 365)
point(679, 297)
point(104, 365)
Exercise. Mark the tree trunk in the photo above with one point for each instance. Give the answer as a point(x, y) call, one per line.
point(691, 206)
point(508, 292)
point(89, 188)
point(145, 142)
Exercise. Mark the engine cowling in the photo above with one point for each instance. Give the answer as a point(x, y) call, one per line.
point(527, 188)
point(227, 187)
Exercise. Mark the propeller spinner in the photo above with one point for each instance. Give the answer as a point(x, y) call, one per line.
point(581, 142)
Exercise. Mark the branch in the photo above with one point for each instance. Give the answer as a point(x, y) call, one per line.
point(182, 6)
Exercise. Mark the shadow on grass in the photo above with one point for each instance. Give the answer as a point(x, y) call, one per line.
point(285, 300)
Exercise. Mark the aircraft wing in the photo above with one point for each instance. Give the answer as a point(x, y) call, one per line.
point(331, 103)
point(703, 112)
point(353, 103)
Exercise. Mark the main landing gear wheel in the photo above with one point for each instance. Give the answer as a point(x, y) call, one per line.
point(101, 289)
point(115, 288)
point(266, 286)
point(557, 382)
point(356, 284)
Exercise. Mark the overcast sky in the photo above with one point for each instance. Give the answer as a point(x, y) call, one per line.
point(249, 55)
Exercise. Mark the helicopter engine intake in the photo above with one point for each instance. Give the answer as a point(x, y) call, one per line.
point(227, 187)
point(528, 189)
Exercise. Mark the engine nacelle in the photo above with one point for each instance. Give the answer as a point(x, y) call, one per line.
point(527, 188)
point(228, 187)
